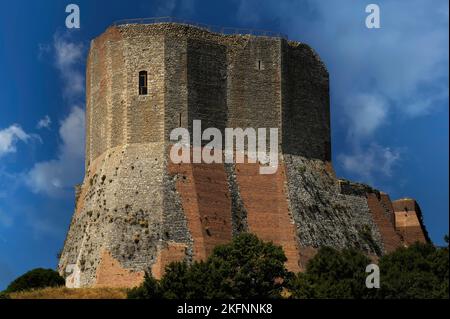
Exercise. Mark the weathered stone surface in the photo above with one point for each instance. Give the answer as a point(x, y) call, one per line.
point(268, 216)
point(136, 211)
point(172, 253)
point(206, 203)
point(324, 214)
point(111, 274)
point(409, 221)
point(391, 239)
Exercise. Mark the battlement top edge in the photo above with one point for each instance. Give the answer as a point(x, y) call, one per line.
point(206, 27)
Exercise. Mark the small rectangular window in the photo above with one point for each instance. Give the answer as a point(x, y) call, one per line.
point(143, 83)
point(259, 64)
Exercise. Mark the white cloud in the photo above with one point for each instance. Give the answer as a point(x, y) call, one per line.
point(68, 56)
point(399, 71)
point(405, 62)
point(56, 176)
point(366, 112)
point(9, 138)
point(371, 162)
point(45, 122)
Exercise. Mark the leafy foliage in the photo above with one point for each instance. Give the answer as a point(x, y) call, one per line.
point(250, 268)
point(417, 272)
point(333, 274)
point(245, 268)
point(148, 290)
point(420, 271)
point(36, 278)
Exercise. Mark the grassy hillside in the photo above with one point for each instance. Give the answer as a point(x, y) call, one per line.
point(66, 293)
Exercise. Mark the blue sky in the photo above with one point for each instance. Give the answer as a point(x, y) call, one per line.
point(389, 102)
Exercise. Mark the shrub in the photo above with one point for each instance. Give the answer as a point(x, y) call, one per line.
point(244, 268)
point(333, 274)
point(148, 290)
point(250, 268)
point(36, 278)
point(420, 271)
point(247, 268)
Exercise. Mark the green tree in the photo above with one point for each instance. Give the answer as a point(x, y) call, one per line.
point(244, 268)
point(333, 274)
point(247, 268)
point(148, 290)
point(36, 278)
point(186, 282)
point(420, 271)
point(250, 268)
point(416, 272)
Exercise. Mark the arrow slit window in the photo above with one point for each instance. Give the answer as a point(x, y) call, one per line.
point(143, 83)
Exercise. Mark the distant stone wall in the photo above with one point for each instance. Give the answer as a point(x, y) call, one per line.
point(390, 237)
point(409, 221)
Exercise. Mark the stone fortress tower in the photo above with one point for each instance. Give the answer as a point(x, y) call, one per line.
point(136, 211)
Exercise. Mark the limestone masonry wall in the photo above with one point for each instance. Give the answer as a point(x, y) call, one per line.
point(136, 211)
